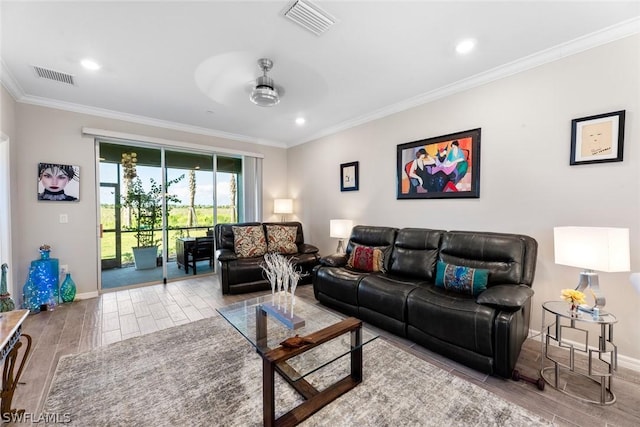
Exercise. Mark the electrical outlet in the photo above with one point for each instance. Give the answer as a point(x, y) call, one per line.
point(64, 269)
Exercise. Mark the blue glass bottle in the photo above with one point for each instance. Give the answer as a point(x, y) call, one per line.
point(30, 297)
point(68, 289)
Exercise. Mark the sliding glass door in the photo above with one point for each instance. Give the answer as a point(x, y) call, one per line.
point(163, 202)
point(131, 219)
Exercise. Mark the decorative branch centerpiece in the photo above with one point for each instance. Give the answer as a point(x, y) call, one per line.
point(283, 276)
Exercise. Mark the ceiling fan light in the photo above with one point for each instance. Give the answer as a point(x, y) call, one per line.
point(265, 93)
point(264, 96)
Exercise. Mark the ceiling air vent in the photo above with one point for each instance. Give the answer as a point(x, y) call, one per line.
point(309, 16)
point(57, 76)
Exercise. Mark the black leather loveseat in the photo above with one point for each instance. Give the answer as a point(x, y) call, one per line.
point(485, 331)
point(244, 274)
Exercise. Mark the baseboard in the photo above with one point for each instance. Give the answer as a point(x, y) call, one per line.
point(623, 361)
point(87, 295)
point(629, 362)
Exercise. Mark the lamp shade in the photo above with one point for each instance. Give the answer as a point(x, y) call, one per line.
point(340, 228)
point(592, 248)
point(283, 206)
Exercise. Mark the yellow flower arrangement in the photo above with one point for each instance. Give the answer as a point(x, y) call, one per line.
point(572, 296)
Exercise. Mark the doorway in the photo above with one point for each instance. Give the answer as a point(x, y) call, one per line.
point(163, 198)
point(111, 242)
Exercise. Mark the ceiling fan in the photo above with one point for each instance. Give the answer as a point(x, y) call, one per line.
point(265, 93)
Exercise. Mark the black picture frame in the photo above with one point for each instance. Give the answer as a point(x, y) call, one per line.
point(58, 182)
point(349, 176)
point(443, 167)
point(597, 139)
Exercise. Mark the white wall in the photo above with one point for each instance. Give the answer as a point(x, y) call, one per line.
point(51, 135)
point(527, 185)
point(7, 133)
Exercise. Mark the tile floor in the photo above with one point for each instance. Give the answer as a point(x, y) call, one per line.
point(114, 316)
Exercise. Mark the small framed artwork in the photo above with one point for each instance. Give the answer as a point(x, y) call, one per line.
point(442, 167)
point(597, 139)
point(349, 176)
point(58, 182)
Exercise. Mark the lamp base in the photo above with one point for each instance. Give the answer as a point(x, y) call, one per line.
point(340, 249)
point(589, 280)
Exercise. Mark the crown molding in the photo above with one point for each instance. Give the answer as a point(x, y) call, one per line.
point(572, 47)
point(9, 82)
point(165, 124)
point(580, 44)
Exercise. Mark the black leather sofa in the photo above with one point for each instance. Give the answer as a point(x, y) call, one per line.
point(240, 275)
point(485, 332)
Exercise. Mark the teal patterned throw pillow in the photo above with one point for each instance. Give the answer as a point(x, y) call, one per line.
point(464, 280)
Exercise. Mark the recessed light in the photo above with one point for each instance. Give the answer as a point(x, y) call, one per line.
point(465, 46)
point(90, 64)
point(300, 121)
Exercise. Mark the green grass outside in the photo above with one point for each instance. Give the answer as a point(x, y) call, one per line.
point(177, 218)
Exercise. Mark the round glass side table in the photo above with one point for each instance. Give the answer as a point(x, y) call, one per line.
point(568, 334)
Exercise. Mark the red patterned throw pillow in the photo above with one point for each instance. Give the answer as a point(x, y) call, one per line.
point(249, 241)
point(282, 239)
point(366, 258)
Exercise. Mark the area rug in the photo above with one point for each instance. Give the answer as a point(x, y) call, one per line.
point(206, 374)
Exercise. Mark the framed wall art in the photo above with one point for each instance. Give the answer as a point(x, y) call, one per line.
point(443, 167)
point(58, 182)
point(349, 176)
point(597, 139)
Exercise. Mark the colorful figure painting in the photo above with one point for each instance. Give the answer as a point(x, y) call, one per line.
point(447, 166)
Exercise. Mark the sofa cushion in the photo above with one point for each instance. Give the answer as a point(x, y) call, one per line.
point(339, 283)
point(245, 270)
point(509, 257)
point(386, 295)
point(452, 317)
point(374, 236)
point(249, 241)
point(464, 280)
point(281, 239)
point(415, 253)
point(366, 258)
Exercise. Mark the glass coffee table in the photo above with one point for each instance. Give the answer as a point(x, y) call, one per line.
point(265, 324)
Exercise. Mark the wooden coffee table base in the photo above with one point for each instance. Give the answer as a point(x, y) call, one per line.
point(275, 361)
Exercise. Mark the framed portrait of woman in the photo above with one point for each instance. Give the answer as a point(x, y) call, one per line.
point(58, 182)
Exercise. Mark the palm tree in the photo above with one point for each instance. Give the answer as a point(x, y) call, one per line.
point(232, 190)
point(191, 217)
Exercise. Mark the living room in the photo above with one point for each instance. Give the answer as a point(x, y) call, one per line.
point(527, 184)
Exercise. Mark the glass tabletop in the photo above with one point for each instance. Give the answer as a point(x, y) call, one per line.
point(561, 308)
point(243, 317)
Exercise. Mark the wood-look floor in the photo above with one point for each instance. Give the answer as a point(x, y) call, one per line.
point(115, 316)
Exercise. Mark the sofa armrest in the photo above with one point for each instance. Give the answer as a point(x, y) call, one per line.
point(226, 255)
point(334, 260)
point(506, 297)
point(305, 248)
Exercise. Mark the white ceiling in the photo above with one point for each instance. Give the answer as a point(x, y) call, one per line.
point(381, 57)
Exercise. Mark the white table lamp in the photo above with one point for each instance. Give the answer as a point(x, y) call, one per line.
point(593, 249)
point(340, 229)
point(283, 207)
